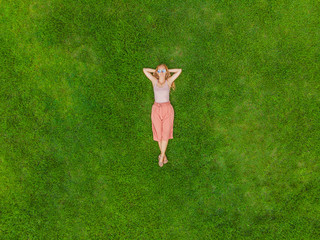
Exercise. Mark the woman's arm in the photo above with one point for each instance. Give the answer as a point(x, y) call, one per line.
point(175, 70)
point(176, 74)
point(149, 70)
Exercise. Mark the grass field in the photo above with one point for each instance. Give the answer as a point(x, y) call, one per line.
point(77, 157)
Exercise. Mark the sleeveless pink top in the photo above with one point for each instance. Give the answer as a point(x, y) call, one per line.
point(161, 94)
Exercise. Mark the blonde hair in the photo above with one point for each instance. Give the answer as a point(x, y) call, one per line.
point(155, 74)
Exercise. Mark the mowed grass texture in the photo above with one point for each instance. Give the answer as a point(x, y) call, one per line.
point(77, 156)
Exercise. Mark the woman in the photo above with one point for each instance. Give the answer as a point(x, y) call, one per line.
point(162, 113)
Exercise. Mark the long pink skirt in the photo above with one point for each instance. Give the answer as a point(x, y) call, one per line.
point(162, 116)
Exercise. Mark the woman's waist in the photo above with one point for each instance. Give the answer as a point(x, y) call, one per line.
point(163, 103)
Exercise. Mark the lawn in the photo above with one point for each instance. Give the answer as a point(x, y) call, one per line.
point(77, 156)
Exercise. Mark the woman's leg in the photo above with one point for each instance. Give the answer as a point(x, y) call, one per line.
point(164, 144)
point(160, 146)
point(167, 128)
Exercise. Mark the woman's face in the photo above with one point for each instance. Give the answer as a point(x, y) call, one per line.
point(162, 71)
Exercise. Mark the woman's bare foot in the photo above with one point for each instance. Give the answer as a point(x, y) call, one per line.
point(165, 160)
point(161, 160)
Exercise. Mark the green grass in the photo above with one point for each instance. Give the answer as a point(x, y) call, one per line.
point(77, 157)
